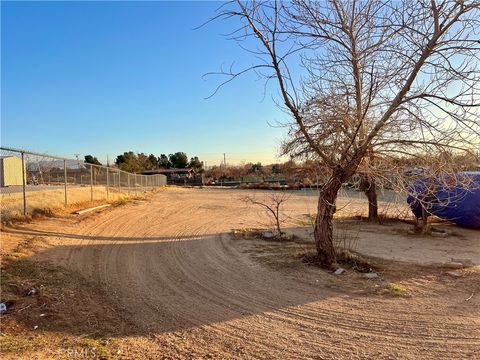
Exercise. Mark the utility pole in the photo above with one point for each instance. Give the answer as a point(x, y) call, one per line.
point(78, 164)
point(78, 159)
point(224, 168)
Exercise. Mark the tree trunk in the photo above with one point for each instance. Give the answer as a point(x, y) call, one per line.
point(424, 225)
point(368, 186)
point(323, 231)
point(426, 201)
point(277, 219)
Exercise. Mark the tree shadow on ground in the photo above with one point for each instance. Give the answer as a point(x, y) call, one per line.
point(34, 232)
point(158, 285)
point(141, 286)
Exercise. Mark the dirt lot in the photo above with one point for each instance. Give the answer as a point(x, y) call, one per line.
point(165, 278)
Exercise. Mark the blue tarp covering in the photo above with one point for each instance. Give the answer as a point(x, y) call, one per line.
point(456, 203)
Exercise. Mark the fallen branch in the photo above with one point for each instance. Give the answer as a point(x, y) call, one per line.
point(25, 307)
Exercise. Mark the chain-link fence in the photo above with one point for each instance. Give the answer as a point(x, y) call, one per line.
point(32, 181)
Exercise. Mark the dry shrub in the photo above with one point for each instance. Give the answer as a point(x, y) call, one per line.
point(42, 213)
point(355, 261)
point(344, 239)
point(346, 243)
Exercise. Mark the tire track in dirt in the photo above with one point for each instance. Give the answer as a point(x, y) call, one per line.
point(172, 267)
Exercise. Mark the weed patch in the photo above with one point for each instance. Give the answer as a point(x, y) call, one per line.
point(397, 290)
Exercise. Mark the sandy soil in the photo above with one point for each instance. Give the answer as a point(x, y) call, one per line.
point(193, 291)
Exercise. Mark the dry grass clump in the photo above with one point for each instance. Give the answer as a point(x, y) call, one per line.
point(49, 203)
point(355, 261)
point(346, 259)
point(397, 290)
point(266, 235)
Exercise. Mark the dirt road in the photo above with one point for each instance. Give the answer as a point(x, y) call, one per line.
point(191, 290)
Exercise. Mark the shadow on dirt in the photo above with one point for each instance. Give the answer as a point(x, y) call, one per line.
point(160, 284)
point(33, 232)
point(164, 284)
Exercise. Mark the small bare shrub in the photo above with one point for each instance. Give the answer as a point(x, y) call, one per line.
point(345, 240)
point(272, 205)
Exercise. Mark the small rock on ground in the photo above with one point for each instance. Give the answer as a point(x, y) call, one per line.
point(385, 284)
point(454, 273)
point(267, 235)
point(30, 291)
point(453, 265)
point(340, 271)
point(371, 275)
point(464, 262)
point(439, 234)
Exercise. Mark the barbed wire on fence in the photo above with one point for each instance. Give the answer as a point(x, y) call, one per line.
point(32, 181)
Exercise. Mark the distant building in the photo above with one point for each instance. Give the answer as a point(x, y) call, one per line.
point(186, 173)
point(178, 176)
point(11, 171)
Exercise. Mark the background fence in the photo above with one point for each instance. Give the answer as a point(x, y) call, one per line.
point(32, 181)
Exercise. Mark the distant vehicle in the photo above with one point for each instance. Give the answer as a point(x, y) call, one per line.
point(33, 181)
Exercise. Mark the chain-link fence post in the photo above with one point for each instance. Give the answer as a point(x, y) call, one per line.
point(24, 185)
point(108, 180)
point(119, 180)
point(65, 177)
point(91, 182)
point(128, 181)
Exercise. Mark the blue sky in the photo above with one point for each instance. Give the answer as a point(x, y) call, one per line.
point(106, 77)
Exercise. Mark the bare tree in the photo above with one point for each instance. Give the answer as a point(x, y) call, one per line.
point(362, 78)
point(272, 204)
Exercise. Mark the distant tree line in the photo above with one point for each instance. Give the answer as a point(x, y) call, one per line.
point(135, 163)
point(132, 162)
